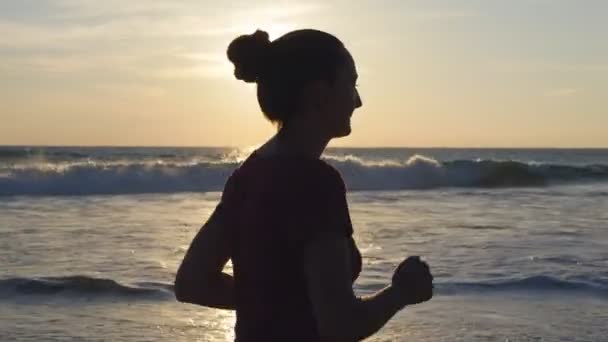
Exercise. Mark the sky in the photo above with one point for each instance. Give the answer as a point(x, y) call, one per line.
point(451, 73)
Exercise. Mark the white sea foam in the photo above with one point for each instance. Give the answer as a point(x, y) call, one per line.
point(198, 175)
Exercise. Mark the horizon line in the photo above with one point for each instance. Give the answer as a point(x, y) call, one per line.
point(329, 147)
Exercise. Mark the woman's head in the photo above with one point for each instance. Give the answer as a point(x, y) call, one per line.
point(303, 73)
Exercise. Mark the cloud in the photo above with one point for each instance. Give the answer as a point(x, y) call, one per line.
point(443, 14)
point(533, 67)
point(562, 92)
point(192, 72)
point(130, 89)
point(168, 39)
point(119, 21)
point(88, 8)
point(24, 36)
point(203, 57)
point(67, 63)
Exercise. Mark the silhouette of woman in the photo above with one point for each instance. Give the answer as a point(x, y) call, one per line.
point(283, 217)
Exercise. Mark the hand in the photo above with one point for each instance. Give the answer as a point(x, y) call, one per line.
point(414, 280)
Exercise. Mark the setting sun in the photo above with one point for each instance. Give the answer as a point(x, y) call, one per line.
point(432, 74)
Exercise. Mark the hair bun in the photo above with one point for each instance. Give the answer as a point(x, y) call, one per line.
point(247, 53)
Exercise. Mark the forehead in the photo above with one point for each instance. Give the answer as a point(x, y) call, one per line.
point(349, 68)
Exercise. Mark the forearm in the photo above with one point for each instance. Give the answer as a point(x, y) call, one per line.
point(215, 292)
point(372, 312)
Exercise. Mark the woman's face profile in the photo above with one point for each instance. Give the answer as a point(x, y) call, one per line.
point(342, 100)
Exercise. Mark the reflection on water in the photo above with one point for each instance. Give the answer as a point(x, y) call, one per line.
point(469, 237)
point(185, 322)
point(226, 321)
point(214, 325)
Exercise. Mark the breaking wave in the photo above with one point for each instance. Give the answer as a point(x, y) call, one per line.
point(418, 172)
point(81, 286)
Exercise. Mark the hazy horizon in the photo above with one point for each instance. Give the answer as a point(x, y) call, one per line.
point(458, 74)
point(330, 146)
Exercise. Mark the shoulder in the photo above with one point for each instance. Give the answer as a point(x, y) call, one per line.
point(313, 176)
point(293, 167)
point(332, 175)
point(298, 176)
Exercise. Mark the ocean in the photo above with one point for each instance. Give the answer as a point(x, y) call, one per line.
point(91, 237)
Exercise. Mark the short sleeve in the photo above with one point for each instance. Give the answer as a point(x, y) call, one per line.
point(232, 192)
point(231, 198)
point(318, 205)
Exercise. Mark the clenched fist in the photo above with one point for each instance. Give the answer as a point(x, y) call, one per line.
point(413, 277)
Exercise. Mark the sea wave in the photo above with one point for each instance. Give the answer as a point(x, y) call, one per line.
point(23, 155)
point(528, 284)
point(81, 286)
point(531, 284)
point(8, 154)
point(418, 172)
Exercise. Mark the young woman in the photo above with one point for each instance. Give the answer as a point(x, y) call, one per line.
point(283, 217)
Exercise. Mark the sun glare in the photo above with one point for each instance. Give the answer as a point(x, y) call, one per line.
point(274, 29)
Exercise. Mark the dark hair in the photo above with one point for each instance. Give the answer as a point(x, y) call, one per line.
point(283, 67)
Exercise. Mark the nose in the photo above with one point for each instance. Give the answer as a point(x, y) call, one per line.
point(358, 102)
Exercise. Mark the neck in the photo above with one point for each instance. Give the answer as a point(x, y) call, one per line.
point(301, 138)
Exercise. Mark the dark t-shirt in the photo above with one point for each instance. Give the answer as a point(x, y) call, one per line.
point(274, 206)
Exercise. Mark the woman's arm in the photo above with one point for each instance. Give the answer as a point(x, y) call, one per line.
point(199, 279)
point(341, 316)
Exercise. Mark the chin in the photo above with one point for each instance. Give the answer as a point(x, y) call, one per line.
point(343, 133)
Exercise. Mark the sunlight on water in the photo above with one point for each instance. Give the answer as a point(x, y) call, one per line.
point(239, 155)
point(226, 322)
point(210, 325)
point(511, 263)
